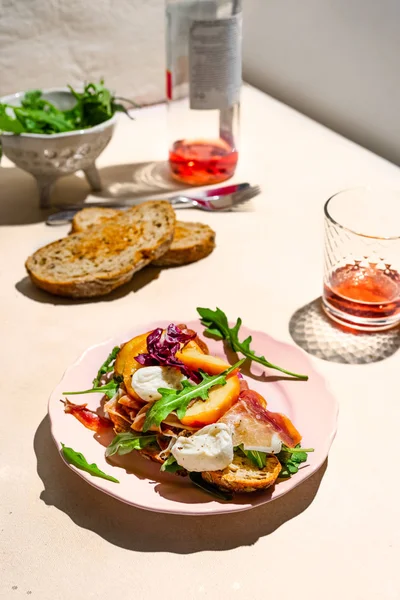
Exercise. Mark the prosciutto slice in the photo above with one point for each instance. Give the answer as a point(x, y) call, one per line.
point(87, 417)
point(258, 428)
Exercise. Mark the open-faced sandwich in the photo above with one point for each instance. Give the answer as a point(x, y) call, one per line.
point(169, 399)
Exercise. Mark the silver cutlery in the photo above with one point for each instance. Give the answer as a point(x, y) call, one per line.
point(216, 200)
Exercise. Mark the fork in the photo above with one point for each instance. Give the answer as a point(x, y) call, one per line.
point(217, 203)
point(213, 203)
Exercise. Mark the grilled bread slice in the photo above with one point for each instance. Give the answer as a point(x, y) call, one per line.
point(242, 475)
point(92, 217)
point(192, 241)
point(96, 261)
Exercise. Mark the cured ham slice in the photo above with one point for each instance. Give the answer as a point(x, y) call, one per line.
point(257, 428)
point(243, 384)
point(87, 417)
point(126, 400)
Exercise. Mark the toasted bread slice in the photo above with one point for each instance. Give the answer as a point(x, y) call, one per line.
point(192, 241)
point(242, 475)
point(92, 217)
point(97, 261)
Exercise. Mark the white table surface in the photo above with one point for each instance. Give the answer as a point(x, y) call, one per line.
point(335, 536)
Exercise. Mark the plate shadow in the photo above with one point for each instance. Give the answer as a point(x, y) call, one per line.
point(143, 531)
point(313, 331)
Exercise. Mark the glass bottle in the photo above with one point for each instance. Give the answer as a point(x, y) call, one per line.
point(204, 76)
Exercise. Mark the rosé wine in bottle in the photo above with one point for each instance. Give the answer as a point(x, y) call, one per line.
point(204, 77)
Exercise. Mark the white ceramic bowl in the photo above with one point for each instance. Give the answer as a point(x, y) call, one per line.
point(48, 157)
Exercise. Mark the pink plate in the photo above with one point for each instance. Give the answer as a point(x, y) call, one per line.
point(309, 405)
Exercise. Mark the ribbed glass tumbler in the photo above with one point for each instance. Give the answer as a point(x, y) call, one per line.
point(362, 259)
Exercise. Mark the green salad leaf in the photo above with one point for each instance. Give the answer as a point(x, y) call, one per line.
point(217, 325)
point(257, 457)
point(107, 366)
point(78, 460)
point(39, 121)
point(291, 458)
point(94, 105)
point(178, 400)
point(126, 442)
point(109, 389)
point(197, 479)
point(8, 123)
point(170, 465)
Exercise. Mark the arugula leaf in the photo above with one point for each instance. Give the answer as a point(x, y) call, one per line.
point(33, 99)
point(109, 389)
point(257, 457)
point(179, 399)
point(78, 460)
point(290, 458)
point(170, 465)
point(126, 442)
point(217, 325)
point(94, 105)
point(34, 120)
point(9, 124)
point(197, 479)
point(106, 367)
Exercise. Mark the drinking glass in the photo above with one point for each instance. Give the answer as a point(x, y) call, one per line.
point(362, 259)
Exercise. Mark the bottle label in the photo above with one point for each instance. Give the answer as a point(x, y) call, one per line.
point(215, 63)
point(179, 17)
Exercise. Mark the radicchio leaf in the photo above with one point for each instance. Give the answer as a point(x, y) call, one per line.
point(162, 349)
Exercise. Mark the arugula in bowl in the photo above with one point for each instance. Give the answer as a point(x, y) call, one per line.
point(36, 114)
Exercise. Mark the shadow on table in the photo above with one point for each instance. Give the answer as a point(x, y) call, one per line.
point(318, 335)
point(139, 281)
point(136, 180)
point(143, 531)
point(19, 199)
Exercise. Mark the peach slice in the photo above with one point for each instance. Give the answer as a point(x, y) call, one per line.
point(193, 346)
point(220, 399)
point(125, 363)
point(195, 360)
point(135, 346)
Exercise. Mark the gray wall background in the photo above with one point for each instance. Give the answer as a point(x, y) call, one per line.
point(334, 60)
